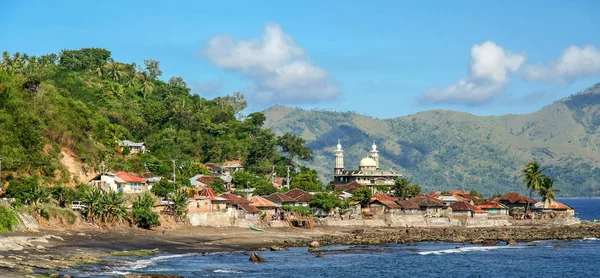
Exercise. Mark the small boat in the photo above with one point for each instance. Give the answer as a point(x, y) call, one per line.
point(257, 229)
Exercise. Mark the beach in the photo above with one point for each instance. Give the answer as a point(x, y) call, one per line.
point(47, 251)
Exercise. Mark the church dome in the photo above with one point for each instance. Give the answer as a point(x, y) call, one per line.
point(367, 162)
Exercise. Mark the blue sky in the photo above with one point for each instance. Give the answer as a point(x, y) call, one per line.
point(380, 58)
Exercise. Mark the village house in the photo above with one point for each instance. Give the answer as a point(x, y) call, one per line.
point(233, 166)
point(493, 208)
point(429, 206)
point(281, 199)
point(381, 203)
point(134, 147)
point(349, 187)
point(302, 197)
point(120, 181)
point(516, 202)
point(151, 179)
point(466, 209)
point(408, 207)
point(237, 206)
point(202, 181)
point(206, 201)
point(264, 205)
point(554, 206)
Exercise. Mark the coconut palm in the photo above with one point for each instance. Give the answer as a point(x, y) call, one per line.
point(533, 177)
point(546, 191)
point(114, 72)
point(146, 84)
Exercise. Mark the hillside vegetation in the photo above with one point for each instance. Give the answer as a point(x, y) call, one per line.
point(443, 150)
point(74, 107)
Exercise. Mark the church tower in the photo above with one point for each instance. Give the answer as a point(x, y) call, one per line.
point(374, 154)
point(339, 159)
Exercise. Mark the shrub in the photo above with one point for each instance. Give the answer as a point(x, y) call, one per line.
point(8, 219)
point(300, 210)
point(145, 218)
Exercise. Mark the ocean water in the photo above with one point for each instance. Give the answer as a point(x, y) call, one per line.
point(553, 258)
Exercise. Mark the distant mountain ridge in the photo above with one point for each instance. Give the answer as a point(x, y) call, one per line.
point(442, 150)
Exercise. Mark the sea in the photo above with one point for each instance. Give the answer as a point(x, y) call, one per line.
point(549, 258)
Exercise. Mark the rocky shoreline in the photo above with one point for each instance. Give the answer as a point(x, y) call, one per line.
point(462, 235)
point(67, 250)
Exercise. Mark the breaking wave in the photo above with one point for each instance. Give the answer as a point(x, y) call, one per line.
point(467, 249)
point(227, 271)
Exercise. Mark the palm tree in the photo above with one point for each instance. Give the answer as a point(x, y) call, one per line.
point(146, 84)
point(533, 177)
point(114, 72)
point(546, 191)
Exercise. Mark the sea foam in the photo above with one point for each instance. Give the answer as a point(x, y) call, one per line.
point(467, 249)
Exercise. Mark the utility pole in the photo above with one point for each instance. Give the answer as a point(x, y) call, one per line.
point(287, 183)
point(174, 180)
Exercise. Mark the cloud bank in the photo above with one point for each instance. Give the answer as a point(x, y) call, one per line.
point(574, 63)
point(280, 70)
point(490, 69)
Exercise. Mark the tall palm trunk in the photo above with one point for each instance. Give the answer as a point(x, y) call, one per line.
point(527, 207)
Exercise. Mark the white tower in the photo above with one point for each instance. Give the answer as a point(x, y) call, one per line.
point(339, 159)
point(374, 154)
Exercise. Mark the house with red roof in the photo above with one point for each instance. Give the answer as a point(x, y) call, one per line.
point(302, 197)
point(466, 209)
point(381, 203)
point(206, 201)
point(238, 206)
point(554, 206)
point(281, 199)
point(120, 181)
point(492, 208)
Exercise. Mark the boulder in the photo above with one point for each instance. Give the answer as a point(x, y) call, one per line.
point(254, 257)
point(276, 248)
point(511, 241)
point(314, 244)
point(313, 250)
point(54, 275)
point(320, 255)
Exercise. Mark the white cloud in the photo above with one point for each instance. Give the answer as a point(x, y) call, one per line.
point(490, 70)
point(574, 63)
point(280, 70)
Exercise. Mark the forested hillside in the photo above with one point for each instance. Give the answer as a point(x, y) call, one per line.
point(62, 116)
point(444, 150)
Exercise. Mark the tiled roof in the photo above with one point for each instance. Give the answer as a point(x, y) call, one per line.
point(249, 208)
point(434, 195)
point(516, 198)
point(350, 187)
point(386, 200)
point(425, 201)
point(404, 204)
point(206, 179)
point(552, 205)
point(261, 202)
point(465, 206)
point(279, 198)
point(490, 205)
point(128, 177)
point(209, 193)
point(299, 195)
point(233, 199)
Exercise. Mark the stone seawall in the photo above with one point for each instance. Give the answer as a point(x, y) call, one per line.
point(420, 221)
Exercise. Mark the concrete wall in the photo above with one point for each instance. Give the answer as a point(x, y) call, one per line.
point(414, 220)
point(222, 219)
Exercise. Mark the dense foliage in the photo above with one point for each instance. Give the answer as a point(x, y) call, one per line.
point(325, 201)
point(83, 102)
point(8, 219)
point(142, 213)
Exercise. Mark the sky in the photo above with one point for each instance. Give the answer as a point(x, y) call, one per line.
point(379, 58)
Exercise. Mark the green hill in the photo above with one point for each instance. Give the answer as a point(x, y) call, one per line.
point(62, 116)
point(444, 150)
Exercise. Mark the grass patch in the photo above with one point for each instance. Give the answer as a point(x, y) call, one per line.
point(142, 252)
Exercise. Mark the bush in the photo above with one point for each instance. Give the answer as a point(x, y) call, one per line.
point(8, 219)
point(145, 218)
point(300, 210)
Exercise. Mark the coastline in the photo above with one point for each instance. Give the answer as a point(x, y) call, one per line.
point(65, 248)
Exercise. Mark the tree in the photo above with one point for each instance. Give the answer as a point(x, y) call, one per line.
point(153, 68)
point(243, 179)
point(256, 119)
point(546, 191)
point(218, 185)
point(325, 201)
point(294, 147)
point(533, 176)
point(142, 213)
point(362, 195)
point(307, 180)
point(263, 187)
point(163, 188)
point(403, 188)
point(62, 194)
point(177, 81)
point(146, 84)
point(179, 205)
